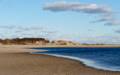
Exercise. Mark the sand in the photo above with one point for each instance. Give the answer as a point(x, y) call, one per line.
point(17, 60)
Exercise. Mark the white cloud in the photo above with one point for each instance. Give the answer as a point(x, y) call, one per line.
point(108, 20)
point(79, 7)
point(25, 31)
point(90, 8)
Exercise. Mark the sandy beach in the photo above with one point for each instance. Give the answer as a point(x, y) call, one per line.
point(17, 60)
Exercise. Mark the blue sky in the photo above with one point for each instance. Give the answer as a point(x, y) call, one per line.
point(27, 18)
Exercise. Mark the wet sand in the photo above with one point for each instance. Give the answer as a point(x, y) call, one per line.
point(16, 60)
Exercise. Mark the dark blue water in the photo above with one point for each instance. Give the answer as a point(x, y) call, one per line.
point(100, 58)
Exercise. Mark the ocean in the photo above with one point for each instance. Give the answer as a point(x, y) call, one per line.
point(99, 58)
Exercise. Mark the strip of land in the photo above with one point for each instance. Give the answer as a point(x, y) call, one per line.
point(18, 60)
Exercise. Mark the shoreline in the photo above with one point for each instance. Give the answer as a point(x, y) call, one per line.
point(87, 63)
point(81, 61)
point(17, 60)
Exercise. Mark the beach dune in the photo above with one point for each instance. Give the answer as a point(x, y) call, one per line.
point(17, 60)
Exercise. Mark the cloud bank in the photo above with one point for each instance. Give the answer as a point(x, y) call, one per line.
point(92, 8)
point(25, 31)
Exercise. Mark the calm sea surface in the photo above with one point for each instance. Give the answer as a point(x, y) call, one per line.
point(100, 58)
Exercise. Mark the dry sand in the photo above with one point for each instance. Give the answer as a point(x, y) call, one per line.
point(16, 60)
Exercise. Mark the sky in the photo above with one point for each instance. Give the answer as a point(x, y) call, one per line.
point(85, 21)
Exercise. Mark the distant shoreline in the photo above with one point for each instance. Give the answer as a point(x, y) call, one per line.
point(52, 46)
point(42, 42)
